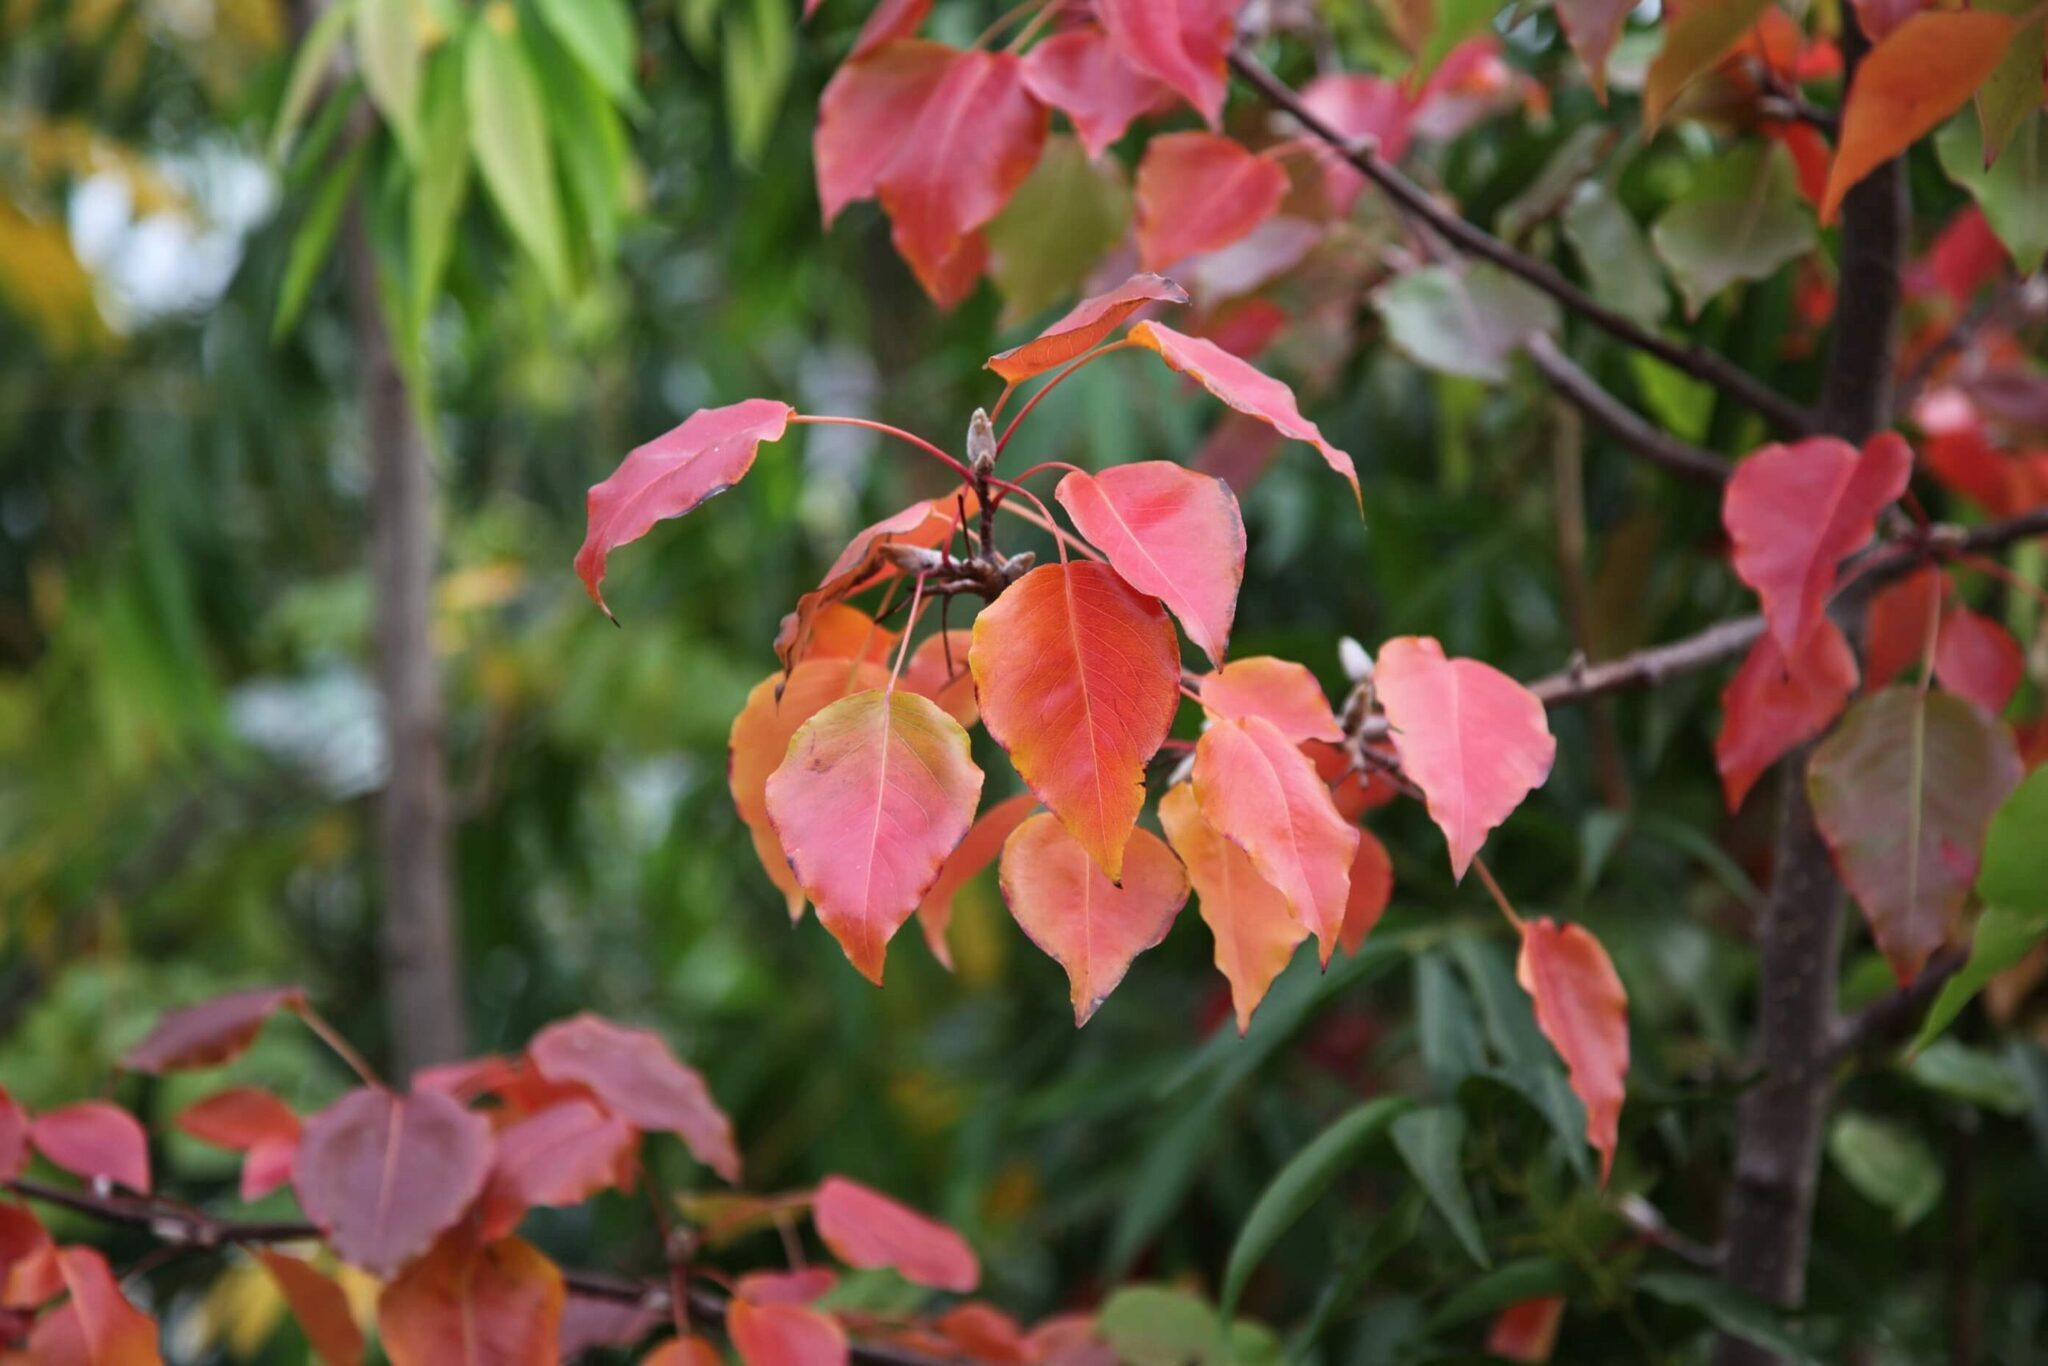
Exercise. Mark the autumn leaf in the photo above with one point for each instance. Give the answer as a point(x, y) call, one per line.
point(562, 1155)
point(1199, 192)
point(786, 1287)
point(1794, 513)
point(1244, 388)
point(1092, 927)
point(1772, 706)
point(866, 1230)
point(1255, 931)
point(863, 563)
point(1170, 532)
point(1474, 740)
point(887, 22)
point(1372, 887)
point(115, 1332)
point(866, 113)
point(709, 453)
point(1363, 109)
point(1977, 658)
point(384, 1175)
point(1088, 323)
point(210, 1032)
point(937, 669)
point(465, 1305)
point(1180, 43)
point(1923, 71)
point(981, 847)
point(876, 791)
point(1079, 679)
point(1694, 42)
point(250, 1121)
point(1082, 74)
point(1583, 1010)
point(14, 1124)
point(1903, 792)
point(785, 1335)
point(319, 1305)
point(635, 1076)
point(94, 1141)
point(1526, 1331)
point(685, 1351)
point(1282, 691)
point(1592, 27)
point(1900, 622)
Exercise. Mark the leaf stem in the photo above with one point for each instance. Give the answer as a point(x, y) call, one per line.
point(819, 420)
point(339, 1046)
point(1500, 898)
point(1069, 368)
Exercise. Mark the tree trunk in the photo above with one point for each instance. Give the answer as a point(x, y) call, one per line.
point(1781, 1121)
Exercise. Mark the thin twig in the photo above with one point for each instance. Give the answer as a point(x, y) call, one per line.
point(1610, 415)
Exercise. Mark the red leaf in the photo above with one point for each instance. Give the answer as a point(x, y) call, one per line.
point(1243, 388)
point(980, 848)
point(1255, 932)
point(1069, 1340)
point(95, 1141)
point(976, 139)
point(250, 1121)
point(1977, 658)
point(1474, 740)
point(984, 1333)
point(1363, 109)
point(1280, 690)
point(1582, 1009)
point(384, 1175)
point(877, 790)
point(1170, 532)
point(786, 1287)
point(785, 1335)
point(1592, 26)
point(319, 1305)
point(29, 1275)
point(709, 453)
point(1372, 887)
point(1079, 679)
point(1181, 43)
point(13, 1136)
point(1199, 192)
point(1771, 707)
point(1083, 75)
point(938, 670)
point(1796, 512)
point(1526, 1331)
point(210, 1032)
point(1263, 793)
point(866, 1229)
point(1086, 324)
point(1908, 84)
point(866, 113)
point(1901, 620)
point(1355, 791)
point(464, 1305)
point(635, 1076)
point(561, 1156)
point(115, 1332)
point(890, 20)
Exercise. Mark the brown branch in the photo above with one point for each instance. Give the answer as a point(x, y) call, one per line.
point(1782, 413)
point(1615, 418)
point(1888, 1020)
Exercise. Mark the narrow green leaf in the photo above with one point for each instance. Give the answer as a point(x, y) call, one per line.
point(760, 55)
point(1300, 1184)
point(511, 146)
point(309, 67)
point(440, 182)
point(591, 142)
point(314, 240)
point(2014, 872)
point(1445, 1021)
point(1432, 1142)
point(388, 51)
point(1390, 1233)
point(1727, 1309)
point(599, 34)
point(1970, 1075)
point(1526, 1278)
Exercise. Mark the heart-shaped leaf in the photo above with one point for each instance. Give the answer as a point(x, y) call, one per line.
point(384, 1175)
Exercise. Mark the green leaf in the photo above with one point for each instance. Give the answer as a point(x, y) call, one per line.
point(1151, 1325)
point(599, 35)
point(2013, 90)
point(1576, 158)
point(592, 143)
point(1432, 1142)
point(388, 51)
point(1970, 1075)
point(1742, 219)
point(2014, 192)
point(314, 240)
point(2014, 872)
point(1445, 1021)
point(2002, 938)
point(1389, 1234)
point(1526, 1278)
point(1300, 1184)
point(1887, 1163)
point(511, 146)
point(760, 55)
point(1068, 212)
point(309, 67)
point(1462, 320)
point(1728, 1309)
point(440, 182)
point(1613, 252)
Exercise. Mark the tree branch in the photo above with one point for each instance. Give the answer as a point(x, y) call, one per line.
point(1888, 1020)
point(1615, 418)
point(1782, 413)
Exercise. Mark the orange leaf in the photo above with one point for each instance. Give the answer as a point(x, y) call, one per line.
point(1089, 322)
point(95, 1141)
point(210, 1032)
point(877, 790)
point(1079, 679)
point(1474, 740)
point(633, 1074)
point(1977, 658)
point(1170, 532)
point(984, 842)
point(246, 1120)
point(1771, 706)
point(1263, 793)
point(1198, 192)
point(1372, 887)
point(685, 1351)
point(1092, 927)
point(1526, 1331)
point(115, 1332)
point(463, 1305)
point(1582, 1009)
point(319, 1305)
point(1694, 43)
point(1181, 43)
point(1923, 71)
point(1255, 932)
point(29, 1274)
point(1082, 74)
point(866, 1229)
point(785, 1335)
point(384, 1175)
point(862, 564)
point(1280, 690)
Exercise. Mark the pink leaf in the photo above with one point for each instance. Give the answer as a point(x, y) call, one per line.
point(1083, 75)
point(785, 1335)
point(1198, 192)
point(866, 113)
point(561, 1156)
point(889, 21)
point(253, 1122)
point(866, 1229)
point(1582, 1009)
point(1362, 109)
point(1256, 933)
point(635, 1076)
point(95, 1141)
point(384, 1175)
point(1592, 26)
point(981, 847)
point(1180, 43)
point(14, 1124)
point(1280, 690)
point(1089, 322)
point(1977, 658)
point(210, 1032)
point(1771, 707)
point(1372, 887)
point(786, 1287)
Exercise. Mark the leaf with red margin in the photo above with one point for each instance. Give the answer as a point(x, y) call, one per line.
point(889, 21)
point(1090, 926)
point(1903, 792)
point(1526, 1331)
point(866, 1229)
point(1372, 887)
point(863, 563)
point(776, 709)
point(976, 139)
point(1592, 26)
point(1900, 621)
point(1170, 532)
point(464, 1305)
point(1079, 679)
point(1086, 324)
point(1082, 74)
point(1280, 690)
point(1794, 513)
point(710, 452)
point(210, 1032)
point(785, 1335)
point(13, 1136)
point(1199, 192)
point(877, 790)
point(561, 1156)
point(1907, 85)
point(1583, 1010)
point(1977, 658)
point(938, 669)
point(1263, 793)
point(1244, 388)
point(115, 1332)
point(247, 1120)
point(868, 109)
point(1181, 43)
point(1772, 706)
point(94, 1141)
point(384, 1175)
point(635, 1076)
point(319, 1305)
point(1474, 740)
point(982, 846)
point(1255, 932)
